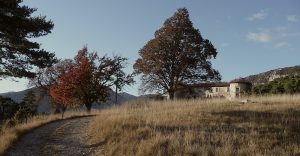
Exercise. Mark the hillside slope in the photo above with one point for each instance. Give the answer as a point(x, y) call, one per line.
point(44, 105)
point(268, 126)
point(268, 76)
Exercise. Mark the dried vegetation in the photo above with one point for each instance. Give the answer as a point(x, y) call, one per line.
point(265, 126)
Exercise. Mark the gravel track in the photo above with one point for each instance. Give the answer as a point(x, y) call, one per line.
point(64, 137)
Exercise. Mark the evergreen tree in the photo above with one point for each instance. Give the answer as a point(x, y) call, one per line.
point(7, 108)
point(28, 107)
point(19, 55)
point(29, 101)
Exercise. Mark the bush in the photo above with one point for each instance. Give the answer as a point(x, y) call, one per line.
point(21, 115)
point(7, 108)
point(10, 123)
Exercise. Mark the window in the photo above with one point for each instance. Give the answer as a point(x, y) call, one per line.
point(228, 89)
point(237, 92)
point(217, 89)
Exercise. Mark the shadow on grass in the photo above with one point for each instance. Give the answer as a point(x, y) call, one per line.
point(285, 125)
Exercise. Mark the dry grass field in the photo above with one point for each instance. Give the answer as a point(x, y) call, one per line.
point(8, 135)
point(265, 126)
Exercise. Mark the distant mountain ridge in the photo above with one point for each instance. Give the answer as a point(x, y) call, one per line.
point(268, 76)
point(44, 105)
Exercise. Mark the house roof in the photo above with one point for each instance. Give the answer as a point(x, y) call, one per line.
point(214, 84)
point(240, 80)
point(207, 85)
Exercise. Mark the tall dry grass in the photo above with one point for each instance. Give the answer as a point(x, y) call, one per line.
point(266, 126)
point(8, 135)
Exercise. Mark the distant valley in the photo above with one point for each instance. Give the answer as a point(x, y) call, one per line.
point(44, 105)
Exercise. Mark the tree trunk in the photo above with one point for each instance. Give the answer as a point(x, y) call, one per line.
point(63, 109)
point(88, 107)
point(171, 95)
point(116, 95)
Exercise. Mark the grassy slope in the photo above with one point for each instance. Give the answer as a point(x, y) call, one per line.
point(270, 126)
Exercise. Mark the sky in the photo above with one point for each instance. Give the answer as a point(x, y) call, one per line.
point(250, 36)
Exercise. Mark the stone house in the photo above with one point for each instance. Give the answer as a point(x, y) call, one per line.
point(229, 90)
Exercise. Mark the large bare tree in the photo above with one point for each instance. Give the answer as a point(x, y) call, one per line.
point(177, 55)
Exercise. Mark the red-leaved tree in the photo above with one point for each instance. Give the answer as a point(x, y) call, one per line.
point(88, 82)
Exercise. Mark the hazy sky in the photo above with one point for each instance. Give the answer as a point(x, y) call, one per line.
point(250, 36)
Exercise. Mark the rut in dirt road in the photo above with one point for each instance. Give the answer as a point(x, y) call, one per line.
point(64, 137)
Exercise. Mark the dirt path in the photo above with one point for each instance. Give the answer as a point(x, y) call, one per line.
point(65, 137)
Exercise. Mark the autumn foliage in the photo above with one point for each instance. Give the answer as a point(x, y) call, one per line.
point(177, 55)
point(87, 82)
point(70, 83)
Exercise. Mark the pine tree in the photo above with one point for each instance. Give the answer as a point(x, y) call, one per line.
point(29, 101)
point(19, 55)
point(8, 108)
point(28, 107)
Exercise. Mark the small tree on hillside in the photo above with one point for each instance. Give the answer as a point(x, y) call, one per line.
point(120, 77)
point(48, 77)
point(28, 107)
point(8, 108)
point(19, 54)
point(177, 55)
